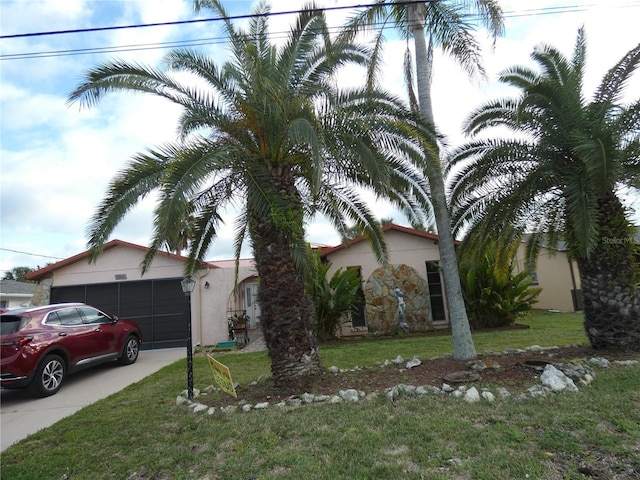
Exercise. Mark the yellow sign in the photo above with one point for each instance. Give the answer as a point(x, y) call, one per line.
point(222, 376)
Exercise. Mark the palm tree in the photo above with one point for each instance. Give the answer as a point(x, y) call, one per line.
point(269, 133)
point(561, 177)
point(447, 27)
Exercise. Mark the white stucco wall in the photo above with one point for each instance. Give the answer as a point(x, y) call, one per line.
point(216, 300)
point(403, 248)
point(118, 260)
point(554, 277)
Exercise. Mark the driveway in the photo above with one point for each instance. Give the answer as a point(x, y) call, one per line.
point(22, 415)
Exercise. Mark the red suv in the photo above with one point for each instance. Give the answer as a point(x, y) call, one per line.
point(40, 345)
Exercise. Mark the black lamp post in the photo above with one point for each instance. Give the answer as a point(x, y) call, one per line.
point(188, 284)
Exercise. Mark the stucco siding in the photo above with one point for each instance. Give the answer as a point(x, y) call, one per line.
point(217, 300)
point(117, 261)
point(553, 271)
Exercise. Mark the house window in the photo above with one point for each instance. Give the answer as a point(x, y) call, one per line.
point(436, 295)
point(357, 311)
point(4, 304)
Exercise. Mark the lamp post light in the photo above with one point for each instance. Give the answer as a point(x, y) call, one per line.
point(188, 284)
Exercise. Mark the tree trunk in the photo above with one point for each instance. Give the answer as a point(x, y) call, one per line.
point(463, 347)
point(286, 311)
point(609, 282)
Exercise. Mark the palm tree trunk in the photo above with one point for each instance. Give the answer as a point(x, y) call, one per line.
point(609, 282)
point(463, 347)
point(286, 311)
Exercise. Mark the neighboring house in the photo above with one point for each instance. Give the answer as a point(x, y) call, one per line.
point(15, 294)
point(558, 277)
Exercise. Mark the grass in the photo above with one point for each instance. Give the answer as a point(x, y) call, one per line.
point(139, 434)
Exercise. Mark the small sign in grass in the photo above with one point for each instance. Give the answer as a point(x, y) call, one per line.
point(222, 376)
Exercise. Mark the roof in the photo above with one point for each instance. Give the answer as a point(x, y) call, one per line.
point(46, 271)
point(17, 288)
point(242, 263)
point(387, 228)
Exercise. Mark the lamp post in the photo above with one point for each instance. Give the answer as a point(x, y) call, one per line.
point(188, 284)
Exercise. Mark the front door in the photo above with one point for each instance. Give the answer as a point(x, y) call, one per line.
point(251, 305)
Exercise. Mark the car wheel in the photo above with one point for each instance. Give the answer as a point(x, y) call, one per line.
point(130, 350)
point(49, 376)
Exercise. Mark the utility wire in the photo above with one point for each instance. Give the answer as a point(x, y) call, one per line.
point(220, 40)
point(32, 254)
point(203, 20)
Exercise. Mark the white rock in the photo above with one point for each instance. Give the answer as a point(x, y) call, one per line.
point(556, 380)
point(293, 402)
point(398, 360)
point(349, 395)
point(472, 395)
point(261, 406)
point(447, 388)
point(600, 362)
point(503, 392)
point(200, 408)
point(180, 400)
point(246, 408)
point(488, 396)
point(320, 398)
point(335, 399)
point(229, 409)
point(333, 369)
point(534, 348)
point(414, 362)
point(307, 397)
point(211, 411)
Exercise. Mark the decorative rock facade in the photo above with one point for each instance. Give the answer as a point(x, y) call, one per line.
point(382, 304)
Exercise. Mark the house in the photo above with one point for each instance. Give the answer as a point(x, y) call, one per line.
point(15, 294)
point(114, 283)
point(558, 276)
point(413, 267)
point(156, 301)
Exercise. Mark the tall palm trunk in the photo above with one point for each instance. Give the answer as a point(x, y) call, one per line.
point(609, 282)
point(286, 311)
point(463, 347)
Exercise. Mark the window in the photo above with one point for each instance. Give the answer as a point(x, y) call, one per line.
point(534, 278)
point(436, 295)
point(67, 317)
point(357, 311)
point(91, 315)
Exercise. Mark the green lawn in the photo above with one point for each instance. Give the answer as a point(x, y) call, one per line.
point(139, 433)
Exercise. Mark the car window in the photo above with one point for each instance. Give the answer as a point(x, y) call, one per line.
point(67, 316)
point(11, 323)
point(91, 315)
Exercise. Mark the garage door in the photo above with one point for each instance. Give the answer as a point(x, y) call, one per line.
point(158, 306)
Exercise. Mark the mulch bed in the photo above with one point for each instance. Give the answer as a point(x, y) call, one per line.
point(514, 371)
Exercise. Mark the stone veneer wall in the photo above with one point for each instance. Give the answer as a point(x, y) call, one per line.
point(382, 305)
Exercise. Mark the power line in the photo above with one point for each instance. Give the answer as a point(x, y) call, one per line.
point(32, 254)
point(203, 20)
point(219, 40)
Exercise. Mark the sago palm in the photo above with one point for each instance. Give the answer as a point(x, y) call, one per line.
point(448, 25)
point(561, 177)
point(269, 133)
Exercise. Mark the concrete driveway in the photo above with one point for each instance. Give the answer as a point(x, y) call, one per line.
point(22, 415)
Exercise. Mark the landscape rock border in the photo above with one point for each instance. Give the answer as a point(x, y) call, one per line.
point(556, 377)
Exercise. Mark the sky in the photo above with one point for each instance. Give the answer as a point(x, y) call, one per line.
point(56, 160)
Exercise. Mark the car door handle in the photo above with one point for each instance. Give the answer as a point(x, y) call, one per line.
point(98, 330)
point(62, 334)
